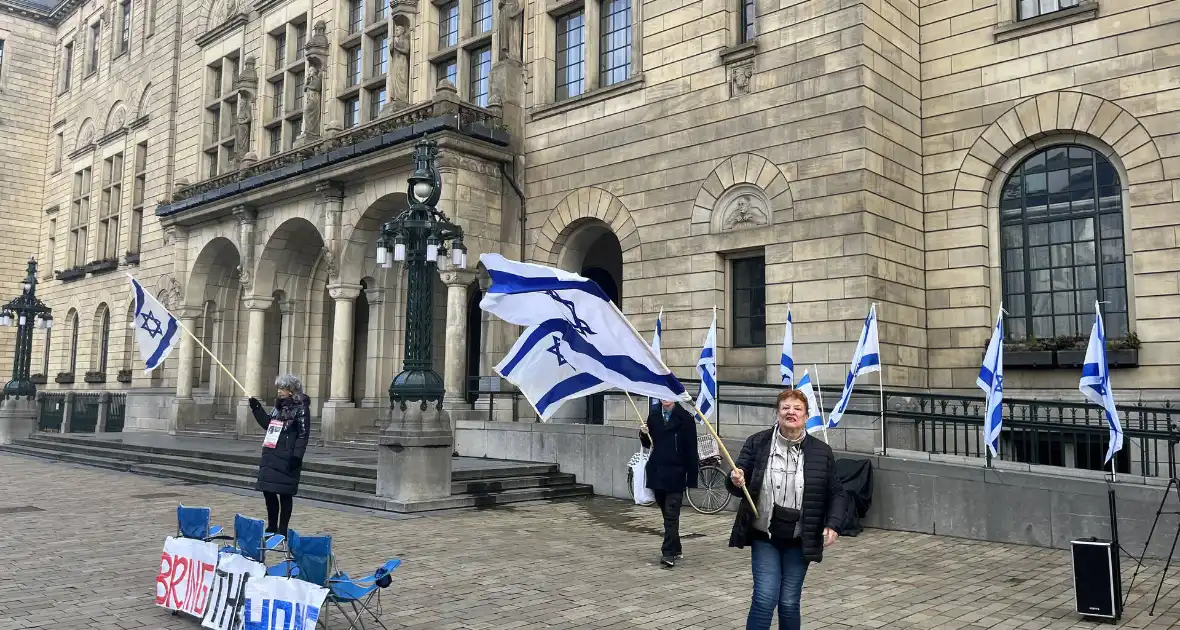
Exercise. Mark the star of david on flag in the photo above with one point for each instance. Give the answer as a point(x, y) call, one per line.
point(537, 364)
point(157, 332)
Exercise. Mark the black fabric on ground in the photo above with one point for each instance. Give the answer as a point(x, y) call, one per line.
point(856, 475)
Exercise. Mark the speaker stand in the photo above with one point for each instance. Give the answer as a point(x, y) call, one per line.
point(1172, 483)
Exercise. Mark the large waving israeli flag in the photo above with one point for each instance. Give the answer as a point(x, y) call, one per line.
point(815, 414)
point(1095, 382)
point(866, 359)
point(600, 340)
point(655, 346)
point(991, 381)
point(707, 369)
point(786, 366)
point(537, 364)
point(156, 331)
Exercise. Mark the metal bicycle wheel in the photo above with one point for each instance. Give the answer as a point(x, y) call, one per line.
point(710, 496)
point(631, 486)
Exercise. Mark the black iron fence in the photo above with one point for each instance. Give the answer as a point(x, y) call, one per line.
point(86, 411)
point(1037, 432)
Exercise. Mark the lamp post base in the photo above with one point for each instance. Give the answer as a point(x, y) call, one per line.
point(414, 455)
point(18, 420)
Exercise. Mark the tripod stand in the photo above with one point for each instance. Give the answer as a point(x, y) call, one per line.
point(1173, 482)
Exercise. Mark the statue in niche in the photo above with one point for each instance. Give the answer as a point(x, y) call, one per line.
point(312, 98)
point(739, 79)
point(244, 114)
point(399, 52)
point(744, 209)
point(510, 11)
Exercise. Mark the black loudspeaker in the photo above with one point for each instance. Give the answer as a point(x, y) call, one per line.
point(1096, 580)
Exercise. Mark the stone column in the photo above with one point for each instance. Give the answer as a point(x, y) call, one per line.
point(104, 412)
point(19, 418)
point(458, 283)
point(256, 313)
point(67, 412)
point(375, 378)
point(287, 324)
point(184, 408)
point(335, 417)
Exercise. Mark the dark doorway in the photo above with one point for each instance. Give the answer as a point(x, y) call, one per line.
point(474, 341)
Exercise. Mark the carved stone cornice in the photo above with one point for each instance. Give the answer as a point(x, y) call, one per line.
point(246, 215)
point(257, 302)
point(457, 277)
point(455, 161)
point(330, 191)
point(375, 296)
point(223, 29)
point(344, 291)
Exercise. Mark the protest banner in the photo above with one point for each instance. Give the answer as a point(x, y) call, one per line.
point(186, 573)
point(279, 603)
point(228, 593)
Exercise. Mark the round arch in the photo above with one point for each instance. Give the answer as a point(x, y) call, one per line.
point(214, 270)
point(358, 258)
point(288, 258)
point(569, 217)
point(745, 190)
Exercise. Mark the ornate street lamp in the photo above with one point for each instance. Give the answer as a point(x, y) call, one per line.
point(25, 312)
point(425, 239)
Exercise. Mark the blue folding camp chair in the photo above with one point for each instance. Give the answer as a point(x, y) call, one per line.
point(313, 556)
point(193, 522)
point(248, 541)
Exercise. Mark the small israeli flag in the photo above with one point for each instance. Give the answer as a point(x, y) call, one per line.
point(815, 415)
point(156, 331)
point(707, 369)
point(655, 346)
point(786, 365)
point(1095, 383)
point(866, 359)
point(991, 381)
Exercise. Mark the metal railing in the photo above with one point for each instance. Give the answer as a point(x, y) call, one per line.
point(87, 412)
point(1036, 432)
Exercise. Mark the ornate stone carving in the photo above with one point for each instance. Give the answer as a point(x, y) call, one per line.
point(316, 52)
point(457, 161)
point(257, 303)
point(399, 53)
point(244, 278)
point(247, 86)
point(744, 211)
point(460, 277)
point(171, 293)
point(118, 118)
point(344, 291)
point(85, 135)
point(330, 262)
point(739, 78)
point(509, 22)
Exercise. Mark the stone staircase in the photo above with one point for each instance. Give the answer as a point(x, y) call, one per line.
point(336, 480)
point(221, 425)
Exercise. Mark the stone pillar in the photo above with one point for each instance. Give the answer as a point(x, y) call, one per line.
point(256, 312)
point(184, 408)
point(67, 413)
point(287, 324)
point(458, 283)
point(376, 379)
point(18, 418)
point(104, 412)
point(336, 418)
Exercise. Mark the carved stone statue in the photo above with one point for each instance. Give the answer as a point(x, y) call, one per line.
point(739, 79)
point(399, 52)
point(246, 84)
point(745, 210)
point(509, 24)
point(312, 99)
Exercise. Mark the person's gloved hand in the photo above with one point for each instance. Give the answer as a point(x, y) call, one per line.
point(254, 404)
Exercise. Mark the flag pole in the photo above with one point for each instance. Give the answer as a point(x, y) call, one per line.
point(717, 438)
point(642, 423)
point(819, 390)
point(880, 377)
point(212, 356)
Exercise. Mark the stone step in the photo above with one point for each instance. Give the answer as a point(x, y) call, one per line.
point(67, 441)
point(476, 498)
point(207, 470)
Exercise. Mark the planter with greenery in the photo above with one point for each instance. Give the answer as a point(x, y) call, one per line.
point(95, 377)
point(100, 266)
point(64, 378)
point(124, 376)
point(73, 273)
point(39, 379)
point(1069, 352)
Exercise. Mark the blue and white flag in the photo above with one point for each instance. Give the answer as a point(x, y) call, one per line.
point(598, 339)
point(1095, 382)
point(786, 364)
point(655, 346)
point(866, 359)
point(537, 364)
point(707, 369)
point(156, 331)
point(991, 381)
point(815, 415)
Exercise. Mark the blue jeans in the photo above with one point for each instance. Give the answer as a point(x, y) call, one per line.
point(778, 581)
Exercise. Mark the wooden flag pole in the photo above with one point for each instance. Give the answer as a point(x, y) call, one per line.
point(819, 390)
point(725, 452)
point(642, 422)
point(211, 355)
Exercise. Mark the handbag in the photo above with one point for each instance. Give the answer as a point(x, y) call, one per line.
point(782, 522)
point(638, 463)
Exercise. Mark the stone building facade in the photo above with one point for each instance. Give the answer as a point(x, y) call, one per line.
point(938, 159)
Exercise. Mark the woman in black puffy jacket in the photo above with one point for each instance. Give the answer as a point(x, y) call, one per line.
point(288, 427)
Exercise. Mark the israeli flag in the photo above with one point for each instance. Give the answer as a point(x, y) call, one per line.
point(786, 364)
point(707, 369)
point(655, 345)
point(597, 340)
point(815, 415)
point(1095, 382)
point(866, 359)
point(537, 364)
point(156, 331)
point(991, 381)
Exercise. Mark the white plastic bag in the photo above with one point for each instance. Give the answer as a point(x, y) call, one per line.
point(643, 495)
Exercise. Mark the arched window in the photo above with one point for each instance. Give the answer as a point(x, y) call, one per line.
point(129, 338)
point(1061, 240)
point(72, 320)
point(102, 339)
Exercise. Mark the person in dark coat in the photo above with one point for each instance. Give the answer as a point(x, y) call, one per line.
point(288, 428)
point(672, 467)
point(792, 478)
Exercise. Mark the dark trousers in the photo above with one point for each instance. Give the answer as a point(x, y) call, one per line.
point(278, 512)
point(669, 503)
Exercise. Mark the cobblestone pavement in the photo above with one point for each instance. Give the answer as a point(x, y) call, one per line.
point(88, 559)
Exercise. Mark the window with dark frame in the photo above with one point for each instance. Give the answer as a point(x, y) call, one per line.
point(276, 140)
point(356, 16)
point(749, 10)
point(381, 11)
point(376, 101)
point(448, 70)
point(51, 244)
point(481, 16)
point(45, 352)
point(300, 40)
point(106, 340)
point(276, 91)
point(297, 92)
point(571, 71)
point(138, 190)
point(448, 25)
point(1, 57)
point(73, 341)
point(481, 72)
point(615, 62)
point(1062, 245)
point(125, 26)
point(79, 219)
point(352, 112)
point(353, 60)
point(280, 45)
point(108, 211)
point(749, 302)
point(67, 67)
point(380, 55)
point(1026, 9)
point(95, 38)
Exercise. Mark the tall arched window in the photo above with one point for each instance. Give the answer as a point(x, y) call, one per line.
point(72, 320)
point(129, 338)
point(1061, 239)
point(102, 339)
